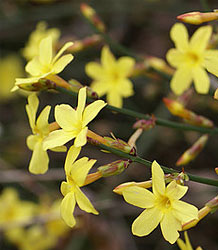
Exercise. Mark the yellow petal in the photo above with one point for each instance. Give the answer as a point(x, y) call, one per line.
point(61, 51)
point(57, 138)
point(83, 202)
point(42, 121)
point(179, 35)
point(45, 51)
point(39, 161)
point(200, 38)
point(125, 87)
point(29, 80)
point(81, 138)
point(146, 222)
point(211, 61)
point(175, 57)
point(72, 155)
point(184, 211)
point(81, 102)
point(67, 208)
point(59, 149)
point(138, 196)
point(125, 65)
point(107, 58)
point(34, 67)
point(175, 191)
point(62, 63)
point(92, 110)
point(201, 80)
point(115, 99)
point(94, 70)
point(158, 183)
point(31, 109)
point(66, 117)
point(170, 227)
point(181, 80)
point(31, 141)
point(65, 188)
point(80, 170)
point(100, 87)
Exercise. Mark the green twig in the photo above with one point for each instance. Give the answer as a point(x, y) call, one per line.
point(159, 121)
point(167, 170)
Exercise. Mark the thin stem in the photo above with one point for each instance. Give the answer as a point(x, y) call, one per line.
point(159, 121)
point(167, 170)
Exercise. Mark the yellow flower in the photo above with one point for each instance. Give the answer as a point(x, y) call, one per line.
point(13, 211)
point(191, 58)
point(76, 172)
point(186, 245)
point(73, 122)
point(111, 77)
point(40, 128)
point(162, 206)
point(32, 47)
point(10, 67)
point(45, 63)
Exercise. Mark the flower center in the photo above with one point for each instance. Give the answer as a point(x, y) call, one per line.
point(163, 202)
point(193, 58)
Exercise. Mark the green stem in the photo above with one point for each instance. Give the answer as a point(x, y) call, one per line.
point(167, 170)
point(159, 121)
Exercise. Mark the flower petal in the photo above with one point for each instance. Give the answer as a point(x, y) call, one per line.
point(72, 155)
point(170, 227)
point(115, 99)
point(67, 208)
point(80, 170)
point(100, 87)
point(81, 138)
point(57, 138)
point(138, 196)
point(94, 70)
point(61, 51)
point(39, 161)
point(158, 183)
point(125, 87)
point(175, 57)
point(45, 51)
point(31, 141)
point(65, 188)
point(184, 211)
point(34, 67)
point(175, 191)
point(31, 109)
point(81, 102)
point(200, 38)
point(201, 80)
point(107, 58)
point(179, 35)
point(146, 222)
point(62, 63)
point(83, 202)
point(65, 116)
point(181, 80)
point(92, 110)
point(125, 65)
point(42, 121)
point(211, 61)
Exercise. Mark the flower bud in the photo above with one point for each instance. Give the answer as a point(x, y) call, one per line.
point(114, 168)
point(159, 65)
point(193, 151)
point(190, 117)
point(216, 170)
point(90, 14)
point(85, 43)
point(120, 145)
point(145, 124)
point(198, 17)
